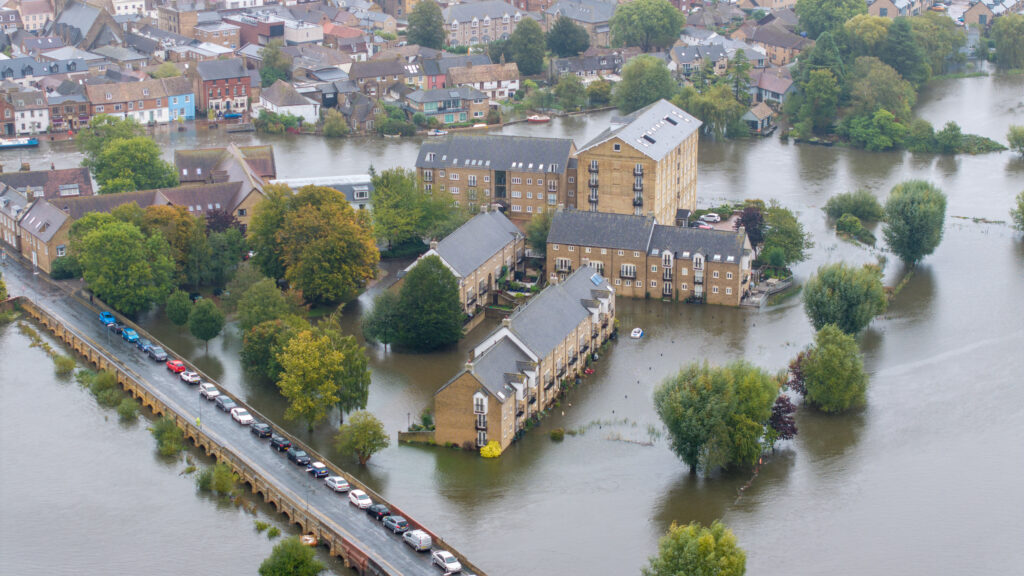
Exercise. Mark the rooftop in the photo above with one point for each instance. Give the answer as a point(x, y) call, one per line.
point(654, 130)
point(494, 152)
point(472, 244)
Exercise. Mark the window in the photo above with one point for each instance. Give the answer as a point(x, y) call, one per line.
point(554, 246)
point(98, 109)
point(618, 282)
point(529, 195)
point(471, 179)
point(517, 180)
point(428, 175)
point(440, 173)
point(683, 287)
point(517, 208)
point(627, 271)
point(572, 248)
point(453, 176)
point(728, 275)
point(714, 274)
point(593, 164)
point(454, 189)
point(654, 267)
point(487, 179)
point(728, 291)
point(587, 250)
point(617, 147)
point(61, 251)
point(529, 181)
point(684, 272)
point(620, 252)
point(529, 209)
point(241, 211)
point(572, 179)
point(654, 284)
point(714, 289)
point(517, 194)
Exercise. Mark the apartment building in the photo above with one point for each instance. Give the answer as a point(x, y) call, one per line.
point(525, 176)
point(144, 101)
point(593, 15)
point(13, 205)
point(520, 368)
point(647, 260)
point(44, 234)
point(220, 33)
point(222, 86)
point(31, 112)
point(449, 105)
point(480, 22)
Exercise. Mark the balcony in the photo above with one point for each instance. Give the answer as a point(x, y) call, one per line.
point(586, 347)
point(549, 384)
point(593, 182)
point(638, 201)
point(627, 274)
point(532, 400)
point(572, 360)
point(638, 171)
point(563, 269)
point(667, 274)
point(592, 198)
point(481, 423)
point(666, 292)
point(638, 186)
point(698, 277)
point(561, 371)
point(592, 169)
point(596, 333)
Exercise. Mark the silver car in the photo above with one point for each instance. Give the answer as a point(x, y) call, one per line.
point(337, 483)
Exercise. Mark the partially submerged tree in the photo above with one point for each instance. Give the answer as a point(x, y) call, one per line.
point(429, 307)
point(696, 549)
point(205, 321)
point(914, 217)
point(845, 296)
point(833, 372)
point(362, 436)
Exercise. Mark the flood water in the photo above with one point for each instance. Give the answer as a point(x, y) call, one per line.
point(925, 480)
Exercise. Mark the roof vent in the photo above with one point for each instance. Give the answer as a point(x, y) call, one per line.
point(671, 121)
point(649, 139)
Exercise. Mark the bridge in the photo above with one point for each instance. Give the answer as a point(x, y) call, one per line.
point(343, 529)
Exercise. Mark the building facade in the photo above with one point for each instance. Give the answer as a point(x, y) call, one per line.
point(31, 112)
point(497, 81)
point(222, 86)
point(449, 105)
point(480, 22)
point(145, 102)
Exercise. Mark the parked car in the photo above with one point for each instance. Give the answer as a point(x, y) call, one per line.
point(117, 327)
point(157, 353)
point(337, 483)
point(700, 224)
point(143, 344)
point(107, 318)
point(261, 429)
point(130, 335)
point(208, 391)
point(224, 403)
point(396, 524)
point(378, 511)
point(298, 456)
point(711, 217)
point(176, 366)
point(418, 539)
point(190, 377)
point(446, 561)
point(360, 499)
point(242, 416)
point(280, 443)
point(318, 470)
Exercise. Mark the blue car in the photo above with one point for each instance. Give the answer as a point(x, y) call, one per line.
point(107, 318)
point(130, 335)
point(143, 344)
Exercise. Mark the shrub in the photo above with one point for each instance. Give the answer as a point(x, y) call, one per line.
point(849, 224)
point(261, 526)
point(127, 409)
point(223, 479)
point(64, 365)
point(204, 480)
point(861, 204)
point(491, 450)
point(558, 434)
point(274, 532)
point(110, 397)
point(65, 268)
point(170, 440)
point(101, 382)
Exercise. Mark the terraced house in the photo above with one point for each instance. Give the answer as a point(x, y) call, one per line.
point(482, 22)
point(525, 176)
point(520, 368)
point(647, 260)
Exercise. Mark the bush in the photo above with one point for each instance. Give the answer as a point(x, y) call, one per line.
point(101, 382)
point(335, 125)
point(110, 397)
point(274, 532)
point(65, 268)
point(261, 526)
point(849, 224)
point(223, 479)
point(493, 116)
point(491, 450)
point(861, 204)
point(558, 434)
point(170, 440)
point(64, 365)
point(127, 409)
point(204, 480)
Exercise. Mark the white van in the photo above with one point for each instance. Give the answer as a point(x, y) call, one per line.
point(418, 539)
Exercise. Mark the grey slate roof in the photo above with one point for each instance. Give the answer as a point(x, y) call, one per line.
point(439, 94)
point(491, 367)
point(518, 153)
point(282, 93)
point(221, 69)
point(465, 12)
point(654, 130)
point(79, 15)
point(690, 54)
point(711, 243)
point(438, 66)
point(43, 220)
point(589, 11)
point(616, 231)
point(469, 246)
point(119, 54)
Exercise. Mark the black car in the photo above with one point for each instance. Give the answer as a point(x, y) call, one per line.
point(261, 429)
point(378, 511)
point(157, 353)
point(298, 456)
point(224, 403)
point(117, 327)
point(280, 443)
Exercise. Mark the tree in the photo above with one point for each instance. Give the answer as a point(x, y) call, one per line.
point(649, 24)
point(940, 39)
point(902, 52)
point(102, 130)
point(875, 84)
point(1018, 213)
point(865, 34)
point(354, 381)
point(820, 100)
point(645, 79)
point(498, 51)
point(263, 343)
point(537, 230)
point(716, 107)
point(695, 549)
point(362, 436)
point(833, 371)
point(570, 92)
point(128, 164)
point(3, 289)
point(291, 558)
point(335, 125)
point(310, 370)
point(861, 204)
point(165, 70)
point(198, 257)
point(716, 417)
point(396, 206)
point(752, 220)
point(781, 424)
point(428, 305)
point(178, 308)
point(382, 322)
point(267, 218)
point(439, 216)
point(914, 216)
point(920, 136)
point(219, 220)
point(276, 65)
point(124, 268)
point(1008, 33)
point(599, 92)
point(844, 296)
point(206, 321)
point(226, 250)
point(261, 302)
point(875, 132)
point(567, 38)
point(785, 232)
point(527, 46)
point(949, 139)
point(818, 16)
point(1015, 137)
point(738, 76)
point(426, 26)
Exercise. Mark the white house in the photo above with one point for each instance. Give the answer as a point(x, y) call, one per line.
point(282, 98)
point(31, 113)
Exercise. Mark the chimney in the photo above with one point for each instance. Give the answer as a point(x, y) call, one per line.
point(433, 244)
point(506, 322)
point(469, 366)
point(25, 167)
point(52, 167)
point(1, 168)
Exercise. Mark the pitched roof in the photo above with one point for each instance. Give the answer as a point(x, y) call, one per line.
point(715, 245)
point(689, 54)
point(221, 69)
point(654, 130)
point(605, 229)
point(439, 94)
point(473, 243)
point(119, 54)
point(775, 35)
point(483, 73)
point(79, 15)
point(70, 181)
point(465, 12)
point(376, 68)
point(250, 164)
point(775, 79)
point(282, 93)
point(43, 220)
point(13, 203)
point(125, 91)
point(199, 199)
point(760, 111)
point(177, 86)
point(78, 207)
point(592, 11)
point(518, 153)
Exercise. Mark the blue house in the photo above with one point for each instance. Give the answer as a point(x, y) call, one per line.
point(181, 98)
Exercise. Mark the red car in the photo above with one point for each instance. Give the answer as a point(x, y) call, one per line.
point(176, 366)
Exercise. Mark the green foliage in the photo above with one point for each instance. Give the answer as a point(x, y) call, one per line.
point(844, 296)
point(178, 308)
point(65, 268)
point(695, 549)
point(865, 34)
point(738, 77)
point(244, 277)
point(261, 302)
point(170, 440)
point(426, 26)
point(222, 479)
point(716, 107)
point(362, 436)
point(262, 344)
point(225, 253)
point(645, 79)
point(198, 254)
point(526, 46)
point(567, 38)
point(165, 70)
point(785, 232)
point(276, 65)
point(649, 24)
point(273, 123)
point(820, 100)
point(537, 230)
point(833, 372)
point(260, 525)
point(381, 324)
point(558, 434)
point(205, 321)
point(599, 93)
point(64, 365)
point(290, 557)
point(902, 51)
point(1008, 33)
point(817, 16)
point(335, 125)
point(127, 409)
point(397, 206)
point(3, 289)
point(428, 304)
point(121, 266)
point(716, 416)
point(914, 216)
point(774, 257)
point(940, 39)
point(102, 130)
point(127, 164)
point(920, 136)
point(876, 132)
point(570, 92)
point(204, 479)
point(949, 139)
point(861, 204)
point(1015, 136)
point(311, 368)
point(1017, 214)
point(875, 85)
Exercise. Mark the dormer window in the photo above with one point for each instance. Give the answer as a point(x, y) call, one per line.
point(109, 96)
point(145, 91)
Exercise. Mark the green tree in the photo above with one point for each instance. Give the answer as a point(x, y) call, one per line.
point(263, 343)
point(165, 70)
point(949, 139)
point(131, 164)
point(914, 216)
point(397, 206)
point(920, 136)
point(537, 230)
point(861, 204)
point(818, 16)
point(875, 84)
point(178, 308)
point(127, 270)
point(599, 92)
point(3, 289)
point(426, 26)
point(820, 100)
point(428, 305)
point(291, 558)
point(1018, 213)
point(833, 371)
point(940, 39)
point(865, 34)
point(498, 50)
point(875, 132)
point(649, 24)
point(198, 257)
point(362, 436)
point(310, 370)
point(1008, 33)
point(695, 549)
point(205, 321)
point(902, 51)
point(354, 381)
point(1015, 137)
point(844, 296)
point(785, 232)
point(570, 92)
point(567, 38)
point(102, 130)
point(527, 46)
point(335, 125)
point(276, 65)
point(645, 79)
point(226, 250)
point(261, 302)
point(720, 112)
point(716, 417)
point(439, 216)
point(267, 218)
point(382, 323)
point(738, 76)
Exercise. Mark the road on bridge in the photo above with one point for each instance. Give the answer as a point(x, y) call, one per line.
point(333, 509)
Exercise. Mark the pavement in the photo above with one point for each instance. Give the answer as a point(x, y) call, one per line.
point(331, 508)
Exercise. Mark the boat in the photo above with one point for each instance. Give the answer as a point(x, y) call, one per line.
point(637, 333)
point(436, 132)
point(538, 119)
point(230, 115)
point(18, 142)
point(309, 539)
point(480, 125)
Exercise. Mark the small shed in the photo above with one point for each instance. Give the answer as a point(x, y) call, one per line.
point(759, 118)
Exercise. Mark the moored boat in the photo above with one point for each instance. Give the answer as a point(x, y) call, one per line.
point(18, 142)
point(538, 119)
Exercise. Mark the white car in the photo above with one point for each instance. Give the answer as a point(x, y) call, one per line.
point(337, 483)
point(241, 415)
point(418, 539)
point(360, 499)
point(190, 377)
point(208, 391)
point(446, 561)
point(711, 217)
